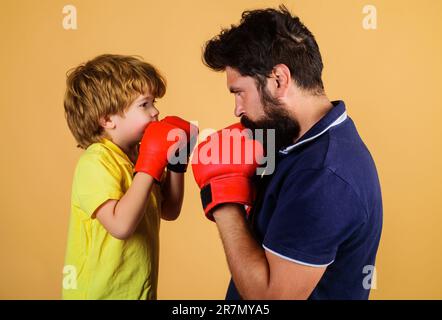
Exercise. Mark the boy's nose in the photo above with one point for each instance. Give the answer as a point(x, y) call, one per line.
point(154, 113)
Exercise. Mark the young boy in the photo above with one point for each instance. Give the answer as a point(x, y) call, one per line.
point(113, 241)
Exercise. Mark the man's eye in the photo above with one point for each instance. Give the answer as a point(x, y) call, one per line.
point(143, 105)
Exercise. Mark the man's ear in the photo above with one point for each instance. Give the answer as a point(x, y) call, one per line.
point(283, 79)
point(107, 122)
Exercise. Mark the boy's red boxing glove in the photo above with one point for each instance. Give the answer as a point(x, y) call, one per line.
point(224, 165)
point(180, 162)
point(157, 145)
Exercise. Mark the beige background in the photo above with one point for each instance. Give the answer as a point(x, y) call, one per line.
point(390, 79)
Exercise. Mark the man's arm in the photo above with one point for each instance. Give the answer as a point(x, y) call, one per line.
point(225, 188)
point(121, 217)
point(172, 190)
point(258, 273)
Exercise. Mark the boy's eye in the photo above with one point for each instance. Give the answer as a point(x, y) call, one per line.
point(146, 104)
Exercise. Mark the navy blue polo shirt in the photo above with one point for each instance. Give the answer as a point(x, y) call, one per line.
point(322, 206)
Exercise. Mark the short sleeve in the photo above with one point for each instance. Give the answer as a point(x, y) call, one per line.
point(96, 181)
point(316, 212)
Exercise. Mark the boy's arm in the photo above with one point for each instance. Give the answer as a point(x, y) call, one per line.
point(172, 190)
point(121, 217)
point(172, 187)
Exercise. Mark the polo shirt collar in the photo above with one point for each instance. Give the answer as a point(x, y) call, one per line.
point(113, 147)
point(334, 117)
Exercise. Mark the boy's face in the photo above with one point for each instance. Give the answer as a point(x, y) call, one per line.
point(130, 128)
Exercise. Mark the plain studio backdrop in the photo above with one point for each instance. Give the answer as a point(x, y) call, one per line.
point(382, 57)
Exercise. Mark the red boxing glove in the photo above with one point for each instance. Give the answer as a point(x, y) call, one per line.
point(180, 161)
point(156, 147)
point(225, 175)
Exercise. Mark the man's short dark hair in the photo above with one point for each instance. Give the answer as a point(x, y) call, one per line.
point(263, 39)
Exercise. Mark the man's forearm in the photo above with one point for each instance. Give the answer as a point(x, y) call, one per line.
point(243, 252)
point(173, 193)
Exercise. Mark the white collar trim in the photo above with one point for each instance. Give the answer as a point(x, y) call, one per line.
point(338, 121)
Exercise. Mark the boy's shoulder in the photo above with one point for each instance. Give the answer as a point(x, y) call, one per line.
point(95, 153)
point(99, 170)
point(104, 152)
point(99, 157)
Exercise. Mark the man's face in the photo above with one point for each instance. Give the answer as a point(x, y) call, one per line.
point(260, 110)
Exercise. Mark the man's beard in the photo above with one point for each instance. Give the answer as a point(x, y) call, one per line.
point(275, 117)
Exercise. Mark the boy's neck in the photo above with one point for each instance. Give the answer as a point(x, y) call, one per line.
point(132, 154)
point(131, 150)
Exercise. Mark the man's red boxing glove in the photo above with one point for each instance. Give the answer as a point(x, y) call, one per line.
point(180, 161)
point(224, 165)
point(157, 145)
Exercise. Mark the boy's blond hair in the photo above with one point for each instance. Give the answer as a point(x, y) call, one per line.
point(104, 86)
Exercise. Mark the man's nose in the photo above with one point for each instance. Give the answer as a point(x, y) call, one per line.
point(238, 110)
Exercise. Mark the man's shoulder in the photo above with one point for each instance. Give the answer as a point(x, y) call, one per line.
point(339, 145)
point(350, 159)
point(340, 151)
point(311, 156)
point(339, 160)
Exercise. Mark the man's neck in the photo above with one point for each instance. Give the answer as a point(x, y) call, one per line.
point(309, 110)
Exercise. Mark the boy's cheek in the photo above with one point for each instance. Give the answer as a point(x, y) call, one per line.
point(141, 127)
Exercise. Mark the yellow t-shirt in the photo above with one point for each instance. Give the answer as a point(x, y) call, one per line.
point(97, 265)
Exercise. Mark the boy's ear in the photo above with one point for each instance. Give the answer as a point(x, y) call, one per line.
point(107, 122)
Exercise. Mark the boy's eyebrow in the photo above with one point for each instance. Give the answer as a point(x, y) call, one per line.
point(142, 98)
